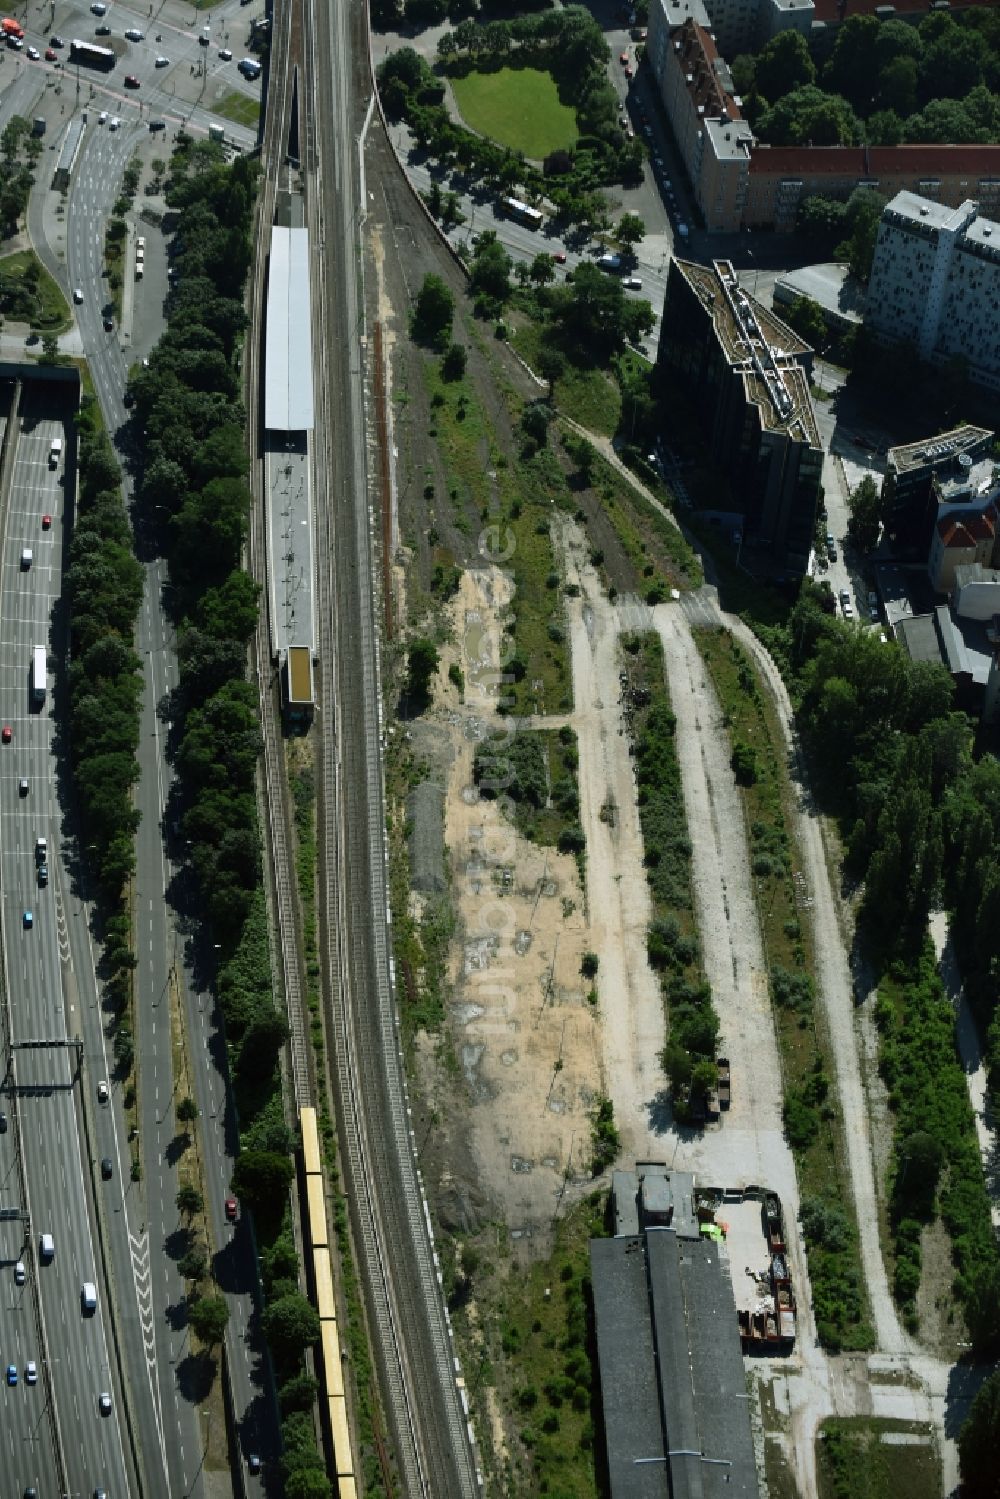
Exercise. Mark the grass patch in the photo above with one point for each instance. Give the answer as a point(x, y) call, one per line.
point(936, 1167)
point(812, 1124)
point(36, 297)
point(239, 108)
point(586, 395)
point(854, 1461)
point(514, 499)
point(517, 107)
point(672, 940)
point(537, 770)
point(531, 1339)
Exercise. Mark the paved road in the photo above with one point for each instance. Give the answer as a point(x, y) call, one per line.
point(42, 990)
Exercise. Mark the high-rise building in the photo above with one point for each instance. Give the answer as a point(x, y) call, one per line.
point(747, 374)
point(935, 282)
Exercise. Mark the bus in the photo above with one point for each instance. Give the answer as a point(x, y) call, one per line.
point(91, 56)
point(39, 673)
point(515, 209)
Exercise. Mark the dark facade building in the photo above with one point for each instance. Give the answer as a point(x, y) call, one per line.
point(747, 373)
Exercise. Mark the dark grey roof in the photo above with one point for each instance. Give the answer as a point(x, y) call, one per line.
point(672, 1375)
point(629, 1389)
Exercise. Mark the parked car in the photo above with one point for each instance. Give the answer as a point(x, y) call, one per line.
point(34, 54)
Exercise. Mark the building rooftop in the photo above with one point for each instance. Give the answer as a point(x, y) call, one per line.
point(967, 527)
point(839, 10)
point(975, 572)
point(729, 138)
point(672, 1377)
point(708, 80)
point(909, 208)
point(676, 12)
point(935, 452)
point(757, 343)
point(872, 163)
point(288, 390)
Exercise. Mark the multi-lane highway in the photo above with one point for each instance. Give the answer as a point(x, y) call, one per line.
point(45, 1083)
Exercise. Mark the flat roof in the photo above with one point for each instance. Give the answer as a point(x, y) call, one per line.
point(926, 211)
point(300, 687)
point(288, 387)
point(931, 452)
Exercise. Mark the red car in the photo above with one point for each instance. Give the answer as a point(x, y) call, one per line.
point(6, 736)
point(46, 522)
point(623, 59)
point(628, 71)
point(560, 257)
point(50, 55)
point(231, 1209)
point(131, 81)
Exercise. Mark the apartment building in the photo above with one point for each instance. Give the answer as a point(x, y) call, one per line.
point(935, 282)
point(747, 374)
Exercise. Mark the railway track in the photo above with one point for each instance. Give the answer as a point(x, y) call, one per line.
point(411, 1335)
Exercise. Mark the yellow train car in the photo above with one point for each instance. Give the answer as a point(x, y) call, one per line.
point(346, 1488)
point(310, 1142)
point(333, 1370)
point(316, 1208)
point(341, 1433)
point(326, 1303)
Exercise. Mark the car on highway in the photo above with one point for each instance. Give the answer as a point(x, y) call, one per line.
point(632, 283)
point(99, 8)
point(253, 1463)
point(6, 734)
point(19, 1273)
point(22, 786)
point(102, 118)
point(104, 1403)
point(43, 874)
point(231, 1209)
point(46, 522)
point(102, 30)
point(103, 1093)
point(12, 1374)
point(78, 295)
point(133, 34)
point(131, 81)
point(109, 325)
point(34, 54)
point(3, 1124)
point(30, 1372)
point(50, 54)
point(225, 54)
point(15, 43)
point(56, 41)
point(162, 62)
point(28, 920)
point(106, 1169)
point(559, 257)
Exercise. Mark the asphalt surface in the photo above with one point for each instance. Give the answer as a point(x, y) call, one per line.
point(42, 993)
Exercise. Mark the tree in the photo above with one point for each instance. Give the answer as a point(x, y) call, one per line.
point(189, 1200)
point(453, 363)
point(193, 1262)
point(187, 1110)
point(261, 1179)
point(542, 269)
point(810, 116)
point(783, 65)
point(853, 68)
point(862, 217)
point(551, 366)
point(808, 320)
point(489, 275)
point(630, 232)
point(423, 662)
point(430, 322)
point(920, 1159)
point(865, 505)
point(535, 426)
point(291, 1325)
point(978, 1441)
point(262, 1043)
point(298, 1394)
point(818, 216)
point(209, 1318)
point(897, 86)
point(307, 1483)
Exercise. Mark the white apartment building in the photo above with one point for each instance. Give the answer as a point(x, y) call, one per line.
point(936, 282)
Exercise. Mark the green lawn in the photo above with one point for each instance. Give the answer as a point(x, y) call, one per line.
point(518, 107)
point(238, 108)
point(49, 312)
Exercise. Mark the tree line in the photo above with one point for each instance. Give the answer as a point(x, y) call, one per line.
point(885, 82)
point(194, 494)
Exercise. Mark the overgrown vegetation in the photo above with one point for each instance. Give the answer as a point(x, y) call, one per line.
point(19, 152)
point(535, 770)
point(812, 1125)
point(672, 940)
point(870, 1457)
point(532, 1342)
point(28, 294)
